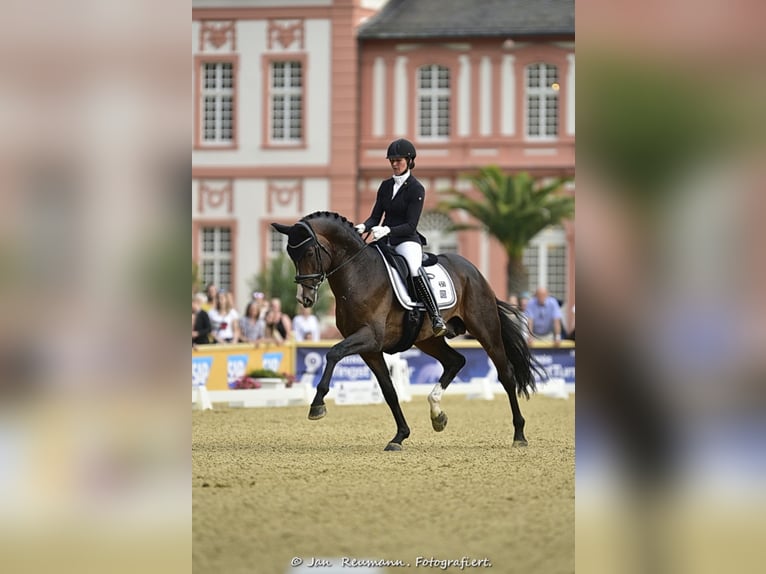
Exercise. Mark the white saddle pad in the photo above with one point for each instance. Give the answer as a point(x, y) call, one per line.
point(441, 286)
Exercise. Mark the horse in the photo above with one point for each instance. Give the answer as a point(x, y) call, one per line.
point(325, 246)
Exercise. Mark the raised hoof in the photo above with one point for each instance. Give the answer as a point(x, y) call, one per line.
point(393, 446)
point(520, 443)
point(317, 412)
point(439, 422)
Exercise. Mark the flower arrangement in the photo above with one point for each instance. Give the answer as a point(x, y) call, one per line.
point(250, 379)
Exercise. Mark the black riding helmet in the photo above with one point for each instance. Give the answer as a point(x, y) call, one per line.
point(402, 148)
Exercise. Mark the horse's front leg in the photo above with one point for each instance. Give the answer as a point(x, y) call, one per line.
point(378, 366)
point(360, 342)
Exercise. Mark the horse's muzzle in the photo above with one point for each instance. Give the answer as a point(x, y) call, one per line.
point(305, 301)
point(304, 296)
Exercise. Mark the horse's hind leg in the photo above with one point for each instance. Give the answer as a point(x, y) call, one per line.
point(378, 366)
point(505, 375)
point(452, 361)
point(518, 420)
point(489, 333)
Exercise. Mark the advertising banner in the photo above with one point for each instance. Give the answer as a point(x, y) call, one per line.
point(273, 361)
point(424, 369)
point(222, 365)
point(236, 367)
point(201, 371)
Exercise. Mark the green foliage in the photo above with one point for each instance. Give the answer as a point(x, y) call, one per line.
point(277, 279)
point(263, 374)
point(512, 208)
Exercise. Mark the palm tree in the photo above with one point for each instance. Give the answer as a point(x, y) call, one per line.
point(514, 209)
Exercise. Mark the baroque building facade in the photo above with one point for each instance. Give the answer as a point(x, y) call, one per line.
point(296, 101)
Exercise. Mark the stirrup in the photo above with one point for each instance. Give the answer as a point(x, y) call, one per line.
point(438, 326)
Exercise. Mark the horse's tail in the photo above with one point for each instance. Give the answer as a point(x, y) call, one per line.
point(524, 365)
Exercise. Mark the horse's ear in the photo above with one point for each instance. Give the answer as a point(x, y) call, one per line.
point(284, 229)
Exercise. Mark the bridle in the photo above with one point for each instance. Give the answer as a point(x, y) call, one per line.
point(317, 279)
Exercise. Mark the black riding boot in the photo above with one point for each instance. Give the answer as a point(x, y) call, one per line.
point(423, 291)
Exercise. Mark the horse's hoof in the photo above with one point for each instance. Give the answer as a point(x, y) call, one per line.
point(316, 412)
point(439, 422)
point(520, 442)
point(393, 446)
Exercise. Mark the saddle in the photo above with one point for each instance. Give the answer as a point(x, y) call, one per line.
point(399, 276)
point(401, 282)
point(399, 264)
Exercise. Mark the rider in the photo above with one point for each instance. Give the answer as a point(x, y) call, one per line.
point(401, 199)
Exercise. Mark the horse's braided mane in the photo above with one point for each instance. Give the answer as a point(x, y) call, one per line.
point(327, 214)
point(332, 215)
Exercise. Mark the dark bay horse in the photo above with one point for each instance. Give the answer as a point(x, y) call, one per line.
point(325, 245)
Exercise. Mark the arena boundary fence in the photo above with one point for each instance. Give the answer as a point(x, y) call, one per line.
point(215, 368)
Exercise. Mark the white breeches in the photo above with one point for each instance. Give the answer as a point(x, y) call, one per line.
point(413, 253)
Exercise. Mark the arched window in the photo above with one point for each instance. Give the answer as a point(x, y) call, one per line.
point(434, 226)
point(542, 99)
point(433, 102)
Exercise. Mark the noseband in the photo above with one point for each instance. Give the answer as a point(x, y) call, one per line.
point(312, 241)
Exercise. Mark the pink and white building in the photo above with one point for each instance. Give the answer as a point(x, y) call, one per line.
point(295, 102)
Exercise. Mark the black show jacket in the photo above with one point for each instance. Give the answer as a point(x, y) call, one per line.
point(402, 212)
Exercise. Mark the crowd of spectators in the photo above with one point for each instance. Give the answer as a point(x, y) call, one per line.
point(543, 318)
point(215, 319)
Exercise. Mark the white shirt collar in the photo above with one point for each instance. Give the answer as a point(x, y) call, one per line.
point(399, 179)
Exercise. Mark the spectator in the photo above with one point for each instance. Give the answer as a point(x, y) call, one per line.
point(233, 306)
point(260, 298)
point(544, 314)
point(306, 325)
point(277, 323)
point(271, 333)
point(230, 299)
point(225, 319)
point(212, 294)
point(523, 302)
point(201, 327)
point(253, 326)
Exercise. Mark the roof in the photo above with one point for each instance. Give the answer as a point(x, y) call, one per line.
point(462, 18)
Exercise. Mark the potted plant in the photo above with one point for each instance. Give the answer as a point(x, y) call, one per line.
point(256, 378)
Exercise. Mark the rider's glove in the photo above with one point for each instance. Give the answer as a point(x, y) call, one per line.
point(360, 228)
point(380, 231)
